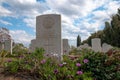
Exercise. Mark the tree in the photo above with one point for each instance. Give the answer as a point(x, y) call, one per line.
point(107, 33)
point(112, 30)
point(78, 41)
point(115, 24)
point(111, 33)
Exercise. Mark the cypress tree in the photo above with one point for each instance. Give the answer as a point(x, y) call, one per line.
point(78, 41)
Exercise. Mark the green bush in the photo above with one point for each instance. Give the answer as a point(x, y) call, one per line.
point(3, 54)
point(102, 66)
point(18, 50)
point(47, 68)
point(28, 62)
point(12, 66)
point(89, 66)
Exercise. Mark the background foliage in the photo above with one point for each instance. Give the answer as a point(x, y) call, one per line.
point(110, 34)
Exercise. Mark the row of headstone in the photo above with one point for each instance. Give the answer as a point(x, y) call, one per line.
point(66, 46)
point(96, 46)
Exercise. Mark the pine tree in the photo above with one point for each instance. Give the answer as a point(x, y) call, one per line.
point(78, 41)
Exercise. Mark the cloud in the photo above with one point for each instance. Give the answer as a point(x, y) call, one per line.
point(4, 12)
point(78, 16)
point(5, 22)
point(20, 36)
point(64, 7)
point(30, 22)
point(25, 7)
point(100, 15)
point(112, 7)
point(75, 8)
point(72, 10)
point(28, 9)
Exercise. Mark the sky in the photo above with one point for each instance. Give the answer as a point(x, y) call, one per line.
point(79, 17)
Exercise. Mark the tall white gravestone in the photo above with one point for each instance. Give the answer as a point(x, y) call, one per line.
point(96, 45)
point(48, 34)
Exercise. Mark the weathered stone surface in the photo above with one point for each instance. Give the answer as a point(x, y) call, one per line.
point(66, 47)
point(8, 44)
point(48, 34)
point(84, 46)
point(32, 45)
point(96, 45)
point(6, 41)
point(106, 47)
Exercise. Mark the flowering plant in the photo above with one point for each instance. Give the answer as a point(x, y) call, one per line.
point(47, 68)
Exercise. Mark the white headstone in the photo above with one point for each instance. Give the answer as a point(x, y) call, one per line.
point(48, 34)
point(84, 46)
point(33, 45)
point(96, 45)
point(106, 47)
point(66, 47)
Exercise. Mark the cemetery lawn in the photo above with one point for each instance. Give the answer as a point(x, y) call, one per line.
point(82, 65)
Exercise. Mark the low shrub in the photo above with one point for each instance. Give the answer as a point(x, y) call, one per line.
point(89, 66)
point(102, 66)
point(47, 68)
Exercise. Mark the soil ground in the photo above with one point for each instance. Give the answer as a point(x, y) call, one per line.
point(18, 76)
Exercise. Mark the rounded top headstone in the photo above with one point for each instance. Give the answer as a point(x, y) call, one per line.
point(48, 22)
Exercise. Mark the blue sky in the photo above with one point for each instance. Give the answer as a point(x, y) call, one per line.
point(81, 17)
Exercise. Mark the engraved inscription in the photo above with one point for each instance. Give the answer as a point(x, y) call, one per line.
point(48, 22)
